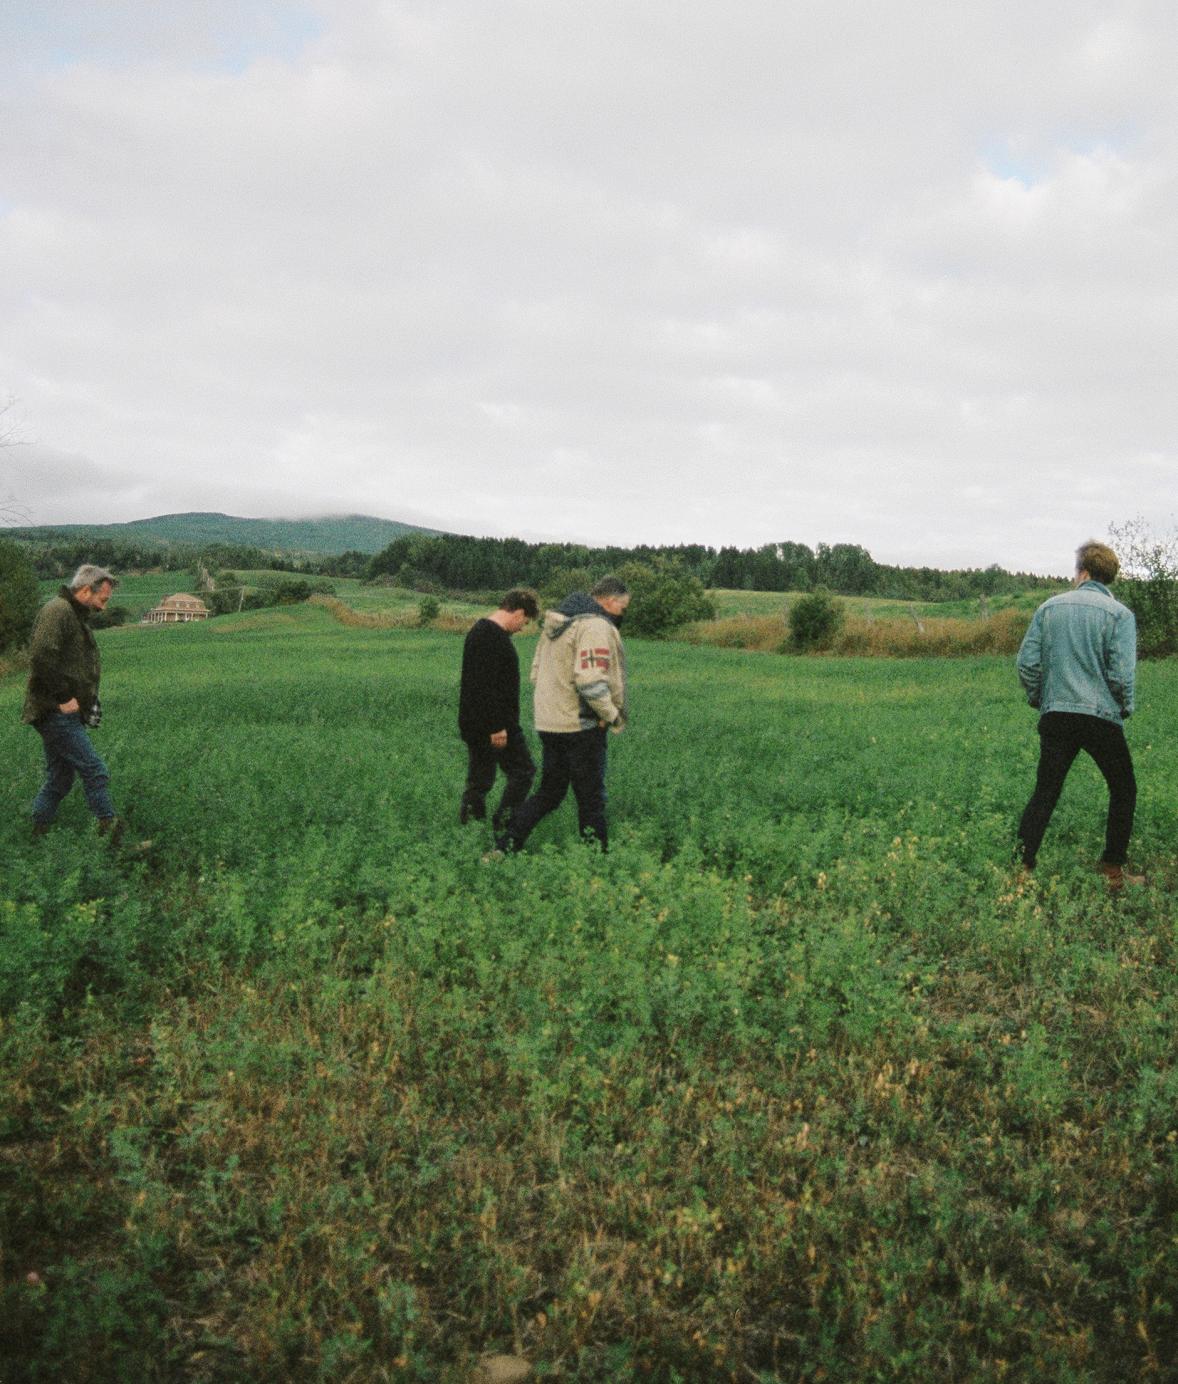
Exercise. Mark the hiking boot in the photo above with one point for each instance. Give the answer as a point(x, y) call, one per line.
point(41, 829)
point(111, 828)
point(1117, 876)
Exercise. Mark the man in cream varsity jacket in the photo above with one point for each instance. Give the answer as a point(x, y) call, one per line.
point(579, 673)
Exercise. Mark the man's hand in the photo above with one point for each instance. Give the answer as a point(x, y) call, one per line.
point(499, 740)
point(67, 707)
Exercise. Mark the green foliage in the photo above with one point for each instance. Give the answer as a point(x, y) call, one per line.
point(460, 562)
point(110, 618)
point(664, 596)
point(797, 1081)
point(428, 610)
point(266, 589)
point(229, 596)
point(19, 597)
point(815, 620)
point(1149, 584)
point(182, 533)
point(563, 582)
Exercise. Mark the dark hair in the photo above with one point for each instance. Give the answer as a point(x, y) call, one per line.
point(610, 586)
point(521, 598)
point(1098, 560)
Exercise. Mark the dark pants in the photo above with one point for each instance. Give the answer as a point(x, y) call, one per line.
point(1062, 735)
point(575, 758)
point(69, 755)
point(484, 759)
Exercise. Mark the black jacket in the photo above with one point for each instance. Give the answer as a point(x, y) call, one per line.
point(488, 699)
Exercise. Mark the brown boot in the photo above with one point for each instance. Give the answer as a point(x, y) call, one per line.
point(40, 829)
point(111, 828)
point(1117, 876)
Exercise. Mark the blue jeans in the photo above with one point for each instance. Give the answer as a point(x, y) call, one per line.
point(69, 754)
point(575, 758)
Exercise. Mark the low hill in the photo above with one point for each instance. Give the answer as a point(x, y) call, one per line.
point(330, 534)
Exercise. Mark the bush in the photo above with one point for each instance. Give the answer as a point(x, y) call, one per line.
point(664, 596)
point(109, 618)
point(815, 620)
point(19, 598)
point(1149, 585)
point(428, 610)
point(226, 599)
point(561, 583)
point(1154, 602)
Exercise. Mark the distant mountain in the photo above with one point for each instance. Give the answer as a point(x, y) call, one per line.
point(330, 535)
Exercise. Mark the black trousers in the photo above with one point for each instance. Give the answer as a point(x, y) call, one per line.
point(483, 761)
point(1062, 735)
point(575, 758)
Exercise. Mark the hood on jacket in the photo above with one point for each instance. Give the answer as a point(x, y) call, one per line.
point(574, 607)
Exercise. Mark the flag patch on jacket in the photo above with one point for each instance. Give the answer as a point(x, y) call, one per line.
point(594, 658)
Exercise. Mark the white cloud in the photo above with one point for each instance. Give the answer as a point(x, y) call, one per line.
point(630, 272)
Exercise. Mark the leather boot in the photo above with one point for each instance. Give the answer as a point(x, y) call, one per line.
point(1117, 876)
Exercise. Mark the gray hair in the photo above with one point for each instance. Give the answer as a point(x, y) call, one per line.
point(89, 575)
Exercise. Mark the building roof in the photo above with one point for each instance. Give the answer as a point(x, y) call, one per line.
point(181, 601)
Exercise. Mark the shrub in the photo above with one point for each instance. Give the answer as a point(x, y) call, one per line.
point(109, 618)
point(18, 596)
point(290, 591)
point(561, 583)
point(226, 599)
point(428, 610)
point(664, 596)
point(815, 620)
point(1149, 585)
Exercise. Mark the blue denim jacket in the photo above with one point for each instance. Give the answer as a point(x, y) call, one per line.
point(1079, 654)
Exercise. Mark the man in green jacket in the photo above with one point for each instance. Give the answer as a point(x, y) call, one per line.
point(62, 698)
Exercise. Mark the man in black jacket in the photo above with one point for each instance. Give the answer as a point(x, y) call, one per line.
point(488, 710)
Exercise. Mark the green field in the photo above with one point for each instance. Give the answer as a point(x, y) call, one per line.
point(795, 1083)
point(729, 603)
point(139, 592)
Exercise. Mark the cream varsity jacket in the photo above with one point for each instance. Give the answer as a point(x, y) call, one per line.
point(579, 669)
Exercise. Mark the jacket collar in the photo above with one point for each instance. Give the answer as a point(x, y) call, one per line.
point(81, 611)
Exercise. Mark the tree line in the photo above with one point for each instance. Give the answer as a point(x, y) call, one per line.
point(56, 558)
point(463, 563)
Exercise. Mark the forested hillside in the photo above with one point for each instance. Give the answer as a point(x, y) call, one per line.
point(332, 534)
point(462, 562)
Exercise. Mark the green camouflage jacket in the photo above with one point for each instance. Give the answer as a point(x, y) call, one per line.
point(64, 657)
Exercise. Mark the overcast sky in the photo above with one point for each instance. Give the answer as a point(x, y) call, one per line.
point(899, 273)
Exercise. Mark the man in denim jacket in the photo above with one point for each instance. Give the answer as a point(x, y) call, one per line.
point(1077, 664)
